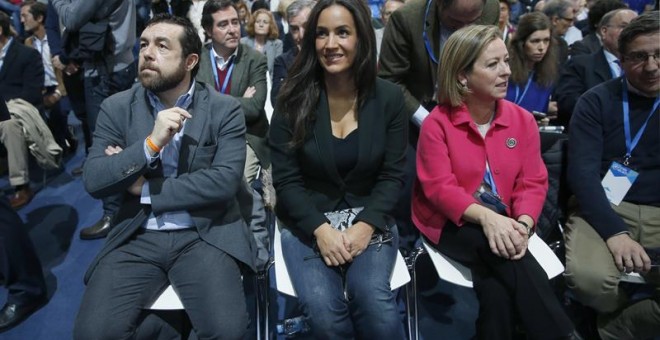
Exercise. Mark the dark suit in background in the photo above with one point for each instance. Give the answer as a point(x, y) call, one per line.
point(577, 76)
point(22, 74)
point(588, 45)
point(280, 71)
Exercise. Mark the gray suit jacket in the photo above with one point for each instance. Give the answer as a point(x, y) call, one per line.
point(210, 169)
point(272, 49)
point(250, 70)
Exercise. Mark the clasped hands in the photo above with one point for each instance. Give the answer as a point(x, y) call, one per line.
point(337, 247)
point(506, 237)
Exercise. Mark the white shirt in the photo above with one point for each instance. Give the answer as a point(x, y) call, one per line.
point(44, 50)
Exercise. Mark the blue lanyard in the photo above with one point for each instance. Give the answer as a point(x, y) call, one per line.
point(631, 144)
point(519, 97)
point(215, 73)
point(488, 178)
point(427, 43)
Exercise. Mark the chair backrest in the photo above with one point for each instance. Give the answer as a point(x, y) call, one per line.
point(399, 277)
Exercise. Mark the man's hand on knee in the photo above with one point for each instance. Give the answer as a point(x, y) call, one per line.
point(628, 255)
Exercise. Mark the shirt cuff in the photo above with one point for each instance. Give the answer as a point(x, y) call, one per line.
point(151, 160)
point(419, 115)
point(145, 197)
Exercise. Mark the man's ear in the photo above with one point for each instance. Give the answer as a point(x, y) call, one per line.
point(191, 60)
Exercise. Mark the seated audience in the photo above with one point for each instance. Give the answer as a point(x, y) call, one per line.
point(297, 13)
point(388, 7)
point(33, 17)
point(481, 186)
point(237, 70)
point(503, 23)
point(591, 42)
point(613, 170)
point(243, 16)
point(338, 142)
point(262, 35)
point(21, 77)
point(534, 66)
point(562, 15)
point(175, 150)
point(583, 72)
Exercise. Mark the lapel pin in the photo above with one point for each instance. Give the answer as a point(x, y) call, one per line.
point(511, 142)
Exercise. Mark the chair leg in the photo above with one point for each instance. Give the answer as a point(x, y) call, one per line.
point(411, 295)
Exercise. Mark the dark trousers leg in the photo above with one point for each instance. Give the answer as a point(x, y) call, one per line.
point(75, 88)
point(507, 287)
point(209, 284)
point(125, 281)
point(97, 89)
point(19, 264)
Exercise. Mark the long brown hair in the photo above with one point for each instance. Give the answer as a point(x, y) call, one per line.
point(300, 92)
point(547, 69)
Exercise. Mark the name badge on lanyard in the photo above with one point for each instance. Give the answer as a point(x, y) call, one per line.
point(619, 177)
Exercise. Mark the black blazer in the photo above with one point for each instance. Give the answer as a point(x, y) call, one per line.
point(22, 74)
point(588, 45)
point(280, 70)
point(306, 178)
point(578, 75)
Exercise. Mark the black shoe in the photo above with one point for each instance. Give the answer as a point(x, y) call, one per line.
point(13, 313)
point(99, 229)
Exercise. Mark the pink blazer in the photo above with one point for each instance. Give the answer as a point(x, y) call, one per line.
point(451, 162)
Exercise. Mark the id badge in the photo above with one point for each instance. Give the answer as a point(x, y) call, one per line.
point(489, 200)
point(617, 181)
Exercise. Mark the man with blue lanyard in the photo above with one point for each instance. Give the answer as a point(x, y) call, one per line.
point(239, 71)
point(614, 172)
point(412, 43)
point(409, 56)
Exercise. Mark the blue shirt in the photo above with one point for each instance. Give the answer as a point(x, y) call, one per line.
point(169, 157)
point(537, 97)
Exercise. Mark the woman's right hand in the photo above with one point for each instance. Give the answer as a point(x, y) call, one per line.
point(506, 237)
point(331, 244)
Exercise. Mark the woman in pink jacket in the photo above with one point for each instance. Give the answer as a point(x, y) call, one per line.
point(481, 185)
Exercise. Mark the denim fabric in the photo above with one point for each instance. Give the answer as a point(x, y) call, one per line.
point(367, 311)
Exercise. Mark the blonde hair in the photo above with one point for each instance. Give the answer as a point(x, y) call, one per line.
point(458, 56)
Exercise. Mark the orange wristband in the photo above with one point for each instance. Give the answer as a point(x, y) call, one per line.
point(152, 146)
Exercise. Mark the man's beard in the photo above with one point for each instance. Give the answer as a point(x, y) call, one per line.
point(158, 82)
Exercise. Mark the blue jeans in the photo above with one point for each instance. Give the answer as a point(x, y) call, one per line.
point(368, 311)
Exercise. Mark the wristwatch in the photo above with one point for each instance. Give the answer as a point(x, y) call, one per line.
point(530, 230)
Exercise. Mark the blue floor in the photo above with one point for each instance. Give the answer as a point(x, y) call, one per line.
point(62, 207)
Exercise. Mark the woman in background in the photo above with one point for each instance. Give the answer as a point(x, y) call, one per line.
point(338, 140)
point(481, 185)
point(534, 66)
point(262, 35)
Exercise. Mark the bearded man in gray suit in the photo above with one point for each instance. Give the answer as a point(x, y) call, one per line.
point(175, 149)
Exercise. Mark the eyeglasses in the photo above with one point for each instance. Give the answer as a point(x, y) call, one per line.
point(568, 19)
point(641, 57)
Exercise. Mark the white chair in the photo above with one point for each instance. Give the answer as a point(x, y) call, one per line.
point(456, 273)
point(400, 275)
